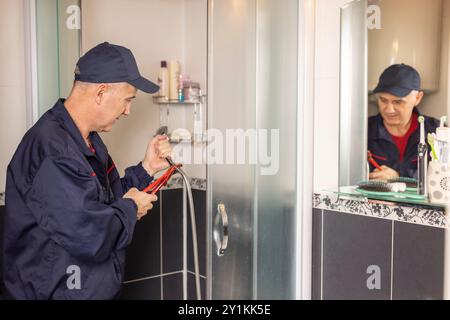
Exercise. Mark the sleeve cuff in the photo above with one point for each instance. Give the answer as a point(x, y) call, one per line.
point(141, 175)
point(127, 209)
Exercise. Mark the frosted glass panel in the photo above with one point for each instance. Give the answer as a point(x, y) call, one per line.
point(47, 55)
point(57, 49)
point(277, 111)
point(253, 87)
point(231, 92)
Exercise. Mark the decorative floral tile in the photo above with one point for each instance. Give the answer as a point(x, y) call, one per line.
point(177, 183)
point(429, 216)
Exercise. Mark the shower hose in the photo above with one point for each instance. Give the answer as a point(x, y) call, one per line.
point(194, 230)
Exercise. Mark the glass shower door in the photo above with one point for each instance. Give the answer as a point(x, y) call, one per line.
point(232, 101)
point(252, 99)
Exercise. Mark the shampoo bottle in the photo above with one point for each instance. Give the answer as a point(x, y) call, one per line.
point(174, 75)
point(163, 81)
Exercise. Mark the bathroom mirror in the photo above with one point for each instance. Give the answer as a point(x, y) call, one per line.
point(374, 35)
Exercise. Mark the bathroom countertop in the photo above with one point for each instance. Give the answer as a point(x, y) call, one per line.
point(427, 215)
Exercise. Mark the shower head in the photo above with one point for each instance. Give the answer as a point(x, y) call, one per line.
point(162, 131)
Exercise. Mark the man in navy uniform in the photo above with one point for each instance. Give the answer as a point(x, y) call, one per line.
point(69, 215)
point(394, 133)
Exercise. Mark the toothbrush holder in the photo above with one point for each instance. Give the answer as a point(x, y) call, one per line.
point(439, 182)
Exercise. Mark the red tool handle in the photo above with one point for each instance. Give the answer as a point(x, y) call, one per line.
point(156, 185)
point(372, 161)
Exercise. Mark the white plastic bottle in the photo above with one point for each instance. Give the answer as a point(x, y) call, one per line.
point(174, 74)
point(163, 81)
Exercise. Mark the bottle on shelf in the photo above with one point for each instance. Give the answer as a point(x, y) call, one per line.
point(174, 74)
point(163, 82)
point(180, 88)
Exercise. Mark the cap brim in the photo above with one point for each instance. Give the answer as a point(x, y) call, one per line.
point(144, 85)
point(395, 91)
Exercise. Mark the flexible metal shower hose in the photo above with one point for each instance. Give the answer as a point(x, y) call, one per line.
point(194, 233)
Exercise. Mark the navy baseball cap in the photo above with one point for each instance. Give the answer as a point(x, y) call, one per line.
point(399, 80)
point(109, 63)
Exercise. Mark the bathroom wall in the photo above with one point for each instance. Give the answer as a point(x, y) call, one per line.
point(154, 31)
point(12, 81)
point(159, 260)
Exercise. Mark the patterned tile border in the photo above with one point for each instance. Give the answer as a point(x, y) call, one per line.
point(177, 183)
point(428, 216)
point(174, 183)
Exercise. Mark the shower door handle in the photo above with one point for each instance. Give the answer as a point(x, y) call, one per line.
point(221, 236)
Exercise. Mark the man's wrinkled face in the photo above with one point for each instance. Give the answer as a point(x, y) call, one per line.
point(397, 111)
point(116, 101)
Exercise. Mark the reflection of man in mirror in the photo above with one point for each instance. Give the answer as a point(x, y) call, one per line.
point(394, 133)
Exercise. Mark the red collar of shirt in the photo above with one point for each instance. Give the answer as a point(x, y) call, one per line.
point(402, 142)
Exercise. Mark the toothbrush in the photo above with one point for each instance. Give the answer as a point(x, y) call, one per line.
point(431, 142)
point(422, 160)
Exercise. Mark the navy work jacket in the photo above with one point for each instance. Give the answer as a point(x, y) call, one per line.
point(66, 223)
point(385, 151)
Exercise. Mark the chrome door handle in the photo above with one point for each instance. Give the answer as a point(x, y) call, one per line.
point(221, 239)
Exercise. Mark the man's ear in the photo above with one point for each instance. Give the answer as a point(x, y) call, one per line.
point(99, 93)
point(419, 98)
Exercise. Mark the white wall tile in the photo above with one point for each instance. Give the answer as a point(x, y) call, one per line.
point(328, 16)
point(326, 134)
point(153, 30)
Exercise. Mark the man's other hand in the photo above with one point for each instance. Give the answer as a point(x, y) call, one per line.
point(385, 174)
point(143, 201)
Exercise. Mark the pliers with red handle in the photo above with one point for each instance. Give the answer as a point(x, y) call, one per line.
point(372, 161)
point(156, 185)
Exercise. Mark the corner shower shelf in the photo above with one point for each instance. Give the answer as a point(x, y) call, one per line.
point(162, 101)
point(165, 106)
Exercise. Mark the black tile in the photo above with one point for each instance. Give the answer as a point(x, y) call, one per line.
point(418, 262)
point(144, 253)
point(149, 289)
point(316, 254)
point(2, 217)
point(200, 217)
point(356, 254)
point(172, 230)
point(173, 287)
point(192, 289)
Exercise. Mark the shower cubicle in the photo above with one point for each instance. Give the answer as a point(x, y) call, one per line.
point(246, 54)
